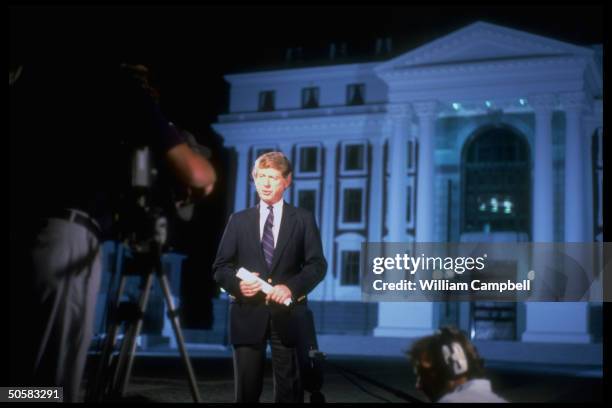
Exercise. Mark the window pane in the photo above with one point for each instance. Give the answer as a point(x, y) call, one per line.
point(494, 320)
point(409, 157)
point(307, 200)
point(308, 159)
point(352, 205)
point(350, 268)
point(266, 101)
point(310, 97)
point(354, 157)
point(354, 94)
point(408, 204)
point(497, 188)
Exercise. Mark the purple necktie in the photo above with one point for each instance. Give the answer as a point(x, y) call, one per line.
point(267, 240)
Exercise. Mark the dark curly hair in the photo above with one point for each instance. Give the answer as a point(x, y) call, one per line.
point(451, 354)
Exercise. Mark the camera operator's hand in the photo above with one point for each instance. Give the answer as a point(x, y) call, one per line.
point(193, 170)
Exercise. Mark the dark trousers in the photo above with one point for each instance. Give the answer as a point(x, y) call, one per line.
point(249, 361)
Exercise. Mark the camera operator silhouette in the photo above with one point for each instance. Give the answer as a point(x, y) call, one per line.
point(72, 125)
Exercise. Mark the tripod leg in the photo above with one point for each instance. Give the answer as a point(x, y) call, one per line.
point(172, 314)
point(118, 369)
point(126, 357)
point(104, 364)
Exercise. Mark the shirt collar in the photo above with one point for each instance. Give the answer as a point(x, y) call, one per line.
point(277, 207)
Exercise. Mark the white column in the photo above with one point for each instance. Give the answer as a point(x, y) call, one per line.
point(401, 319)
point(242, 174)
point(376, 192)
point(543, 203)
point(566, 322)
point(328, 215)
point(592, 126)
point(396, 191)
point(426, 111)
point(576, 214)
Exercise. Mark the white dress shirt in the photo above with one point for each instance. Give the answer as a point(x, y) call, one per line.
point(263, 216)
point(475, 390)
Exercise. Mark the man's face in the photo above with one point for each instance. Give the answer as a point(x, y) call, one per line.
point(271, 185)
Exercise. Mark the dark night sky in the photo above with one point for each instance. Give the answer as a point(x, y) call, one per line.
point(189, 49)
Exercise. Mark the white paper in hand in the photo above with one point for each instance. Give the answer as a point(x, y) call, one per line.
point(266, 288)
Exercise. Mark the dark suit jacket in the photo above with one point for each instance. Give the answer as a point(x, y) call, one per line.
point(298, 263)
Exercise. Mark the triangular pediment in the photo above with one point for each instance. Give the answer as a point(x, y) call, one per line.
point(480, 42)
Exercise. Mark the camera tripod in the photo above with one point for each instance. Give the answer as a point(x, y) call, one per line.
point(113, 374)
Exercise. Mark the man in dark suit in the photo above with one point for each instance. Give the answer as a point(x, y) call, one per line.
point(282, 245)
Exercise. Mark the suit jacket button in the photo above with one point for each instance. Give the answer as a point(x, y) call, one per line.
point(269, 280)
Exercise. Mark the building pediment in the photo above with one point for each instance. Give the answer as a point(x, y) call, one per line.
point(482, 42)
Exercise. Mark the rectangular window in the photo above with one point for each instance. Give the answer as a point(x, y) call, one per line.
point(307, 200)
point(355, 94)
point(310, 97)
point(352, 205)
point(494, 320)
point(350, 268)
point(266, 101)
point(354, 158)
point(411, 157)
point(408, 204)
point(306, 195)
point(308, 159)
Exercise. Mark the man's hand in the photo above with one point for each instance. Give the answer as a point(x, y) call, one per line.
point(279, 294)
point(250, 289)
point(192, 169)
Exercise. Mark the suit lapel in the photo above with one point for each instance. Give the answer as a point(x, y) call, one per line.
point(253, 231)
point(286, 229)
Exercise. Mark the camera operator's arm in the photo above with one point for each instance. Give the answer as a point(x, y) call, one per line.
point(192, 169)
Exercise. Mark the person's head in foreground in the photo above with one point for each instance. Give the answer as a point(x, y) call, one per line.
point(449, 369)
point(272, 176)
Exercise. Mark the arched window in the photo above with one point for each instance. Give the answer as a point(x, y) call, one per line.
point(496, 182)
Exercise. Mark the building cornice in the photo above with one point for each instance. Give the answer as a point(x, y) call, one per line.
point(477, 68)
point(294, 130)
